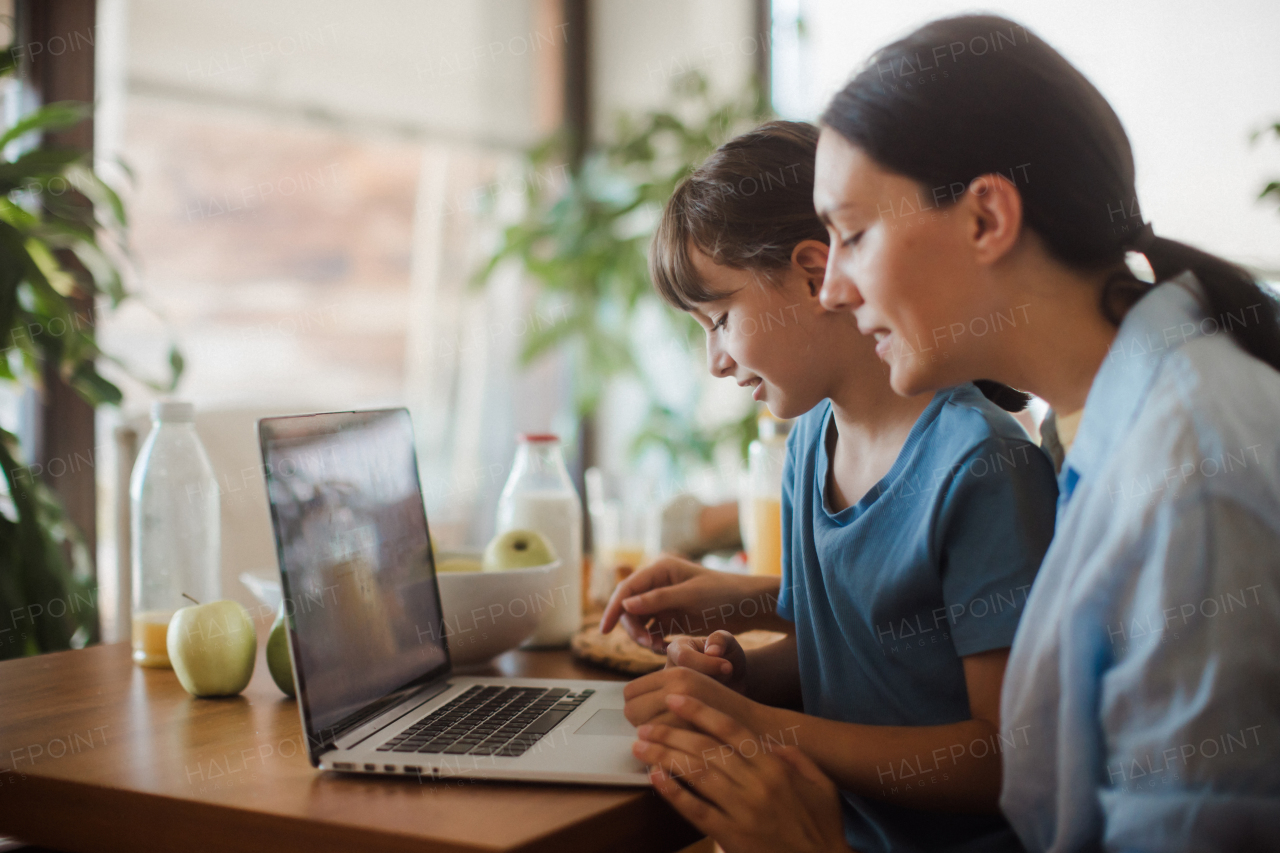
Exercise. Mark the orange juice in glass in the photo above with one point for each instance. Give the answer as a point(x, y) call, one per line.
point(765, 459)
point(150, 633)
point(766, 555)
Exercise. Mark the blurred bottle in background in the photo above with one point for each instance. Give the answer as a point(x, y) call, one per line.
point(761, 507)
point(539, 495)
point(176, 528)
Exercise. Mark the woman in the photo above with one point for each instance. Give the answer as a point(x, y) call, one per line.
point(980, 215)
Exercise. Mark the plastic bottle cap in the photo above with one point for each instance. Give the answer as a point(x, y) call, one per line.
point(538, 437)
point(173, 411)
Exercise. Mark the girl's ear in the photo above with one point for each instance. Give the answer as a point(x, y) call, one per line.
point(810, 258)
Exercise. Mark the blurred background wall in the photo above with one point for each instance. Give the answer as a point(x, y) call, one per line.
point(312, 187)
point(1190, 81)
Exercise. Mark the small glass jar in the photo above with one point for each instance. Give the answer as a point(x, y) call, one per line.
point(626, 528)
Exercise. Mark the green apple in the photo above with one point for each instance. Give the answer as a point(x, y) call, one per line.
point(278, 662)
point(212, 648)
point(458, 564)
point(517, 549)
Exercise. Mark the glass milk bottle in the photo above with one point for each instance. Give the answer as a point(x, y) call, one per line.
point(765, 458)
point(176, 528)
point(539, 495)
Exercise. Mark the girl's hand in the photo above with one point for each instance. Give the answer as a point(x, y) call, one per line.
point(746, 792)
point(669, 596)
point(720, 656)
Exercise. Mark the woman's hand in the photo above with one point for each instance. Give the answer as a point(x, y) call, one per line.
point(676, 596)
point(719, 656)
point(746, 792)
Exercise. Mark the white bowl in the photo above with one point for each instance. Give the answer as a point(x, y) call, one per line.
point(266, 590)
point(488, 613)
point(485, 613)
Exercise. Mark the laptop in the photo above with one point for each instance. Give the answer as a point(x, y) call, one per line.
point(370, 646)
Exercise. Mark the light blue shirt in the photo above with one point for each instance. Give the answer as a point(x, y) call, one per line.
point(1146, 668)
point(888, 595)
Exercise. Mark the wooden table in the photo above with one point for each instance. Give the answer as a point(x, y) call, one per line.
point(99, 755)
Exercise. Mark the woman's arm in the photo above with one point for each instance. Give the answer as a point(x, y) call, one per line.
point(749, 795)
point(952, 767)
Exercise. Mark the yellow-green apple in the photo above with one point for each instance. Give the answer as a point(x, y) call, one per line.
point(212, 648)
point(517, 549)
point(278, 662)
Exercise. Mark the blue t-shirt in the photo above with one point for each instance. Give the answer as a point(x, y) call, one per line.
point(933, 563)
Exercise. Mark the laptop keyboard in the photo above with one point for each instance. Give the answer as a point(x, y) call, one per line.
point(502, 721)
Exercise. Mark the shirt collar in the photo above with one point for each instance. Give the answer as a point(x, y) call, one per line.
point(1162, 321)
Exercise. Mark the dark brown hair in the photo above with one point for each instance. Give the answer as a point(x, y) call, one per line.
point(998, 99)
point(747, 207)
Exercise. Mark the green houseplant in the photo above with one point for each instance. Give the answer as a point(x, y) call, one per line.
point(54, 212)
point(585, 241)
point(1272, 189)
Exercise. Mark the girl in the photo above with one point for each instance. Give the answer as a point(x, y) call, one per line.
point(1144, 670)
point(913, 529)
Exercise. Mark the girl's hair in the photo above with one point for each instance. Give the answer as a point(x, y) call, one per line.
point(979, 95)
point(747, 207)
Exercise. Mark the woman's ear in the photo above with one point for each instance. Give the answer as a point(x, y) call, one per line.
point(809, 257)
point(994, 206)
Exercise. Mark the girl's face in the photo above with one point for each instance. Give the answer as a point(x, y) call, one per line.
point(773, 335)
point(899, 262)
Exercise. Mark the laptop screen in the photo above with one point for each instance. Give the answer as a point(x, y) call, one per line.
point(355, 561)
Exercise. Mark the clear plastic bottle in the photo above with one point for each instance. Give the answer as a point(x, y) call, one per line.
point(176, 528)
point(539, 495)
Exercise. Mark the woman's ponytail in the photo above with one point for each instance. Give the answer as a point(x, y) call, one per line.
point(1235, 300)
point(1009, 399)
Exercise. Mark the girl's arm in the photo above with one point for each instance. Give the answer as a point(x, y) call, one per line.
point(773, 674)
point(953, 767)
point(677, 596)
point(769, 674)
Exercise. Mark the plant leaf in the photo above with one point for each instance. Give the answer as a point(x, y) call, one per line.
point(34, 165)
point(51, 117)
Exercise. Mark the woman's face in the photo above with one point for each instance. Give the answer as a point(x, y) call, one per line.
point(773, 335)
point(900, 263)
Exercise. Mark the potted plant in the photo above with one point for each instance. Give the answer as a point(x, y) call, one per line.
point(585, 242)
point(54, 211)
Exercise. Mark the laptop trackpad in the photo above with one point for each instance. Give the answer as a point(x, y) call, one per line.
point(607, 721)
